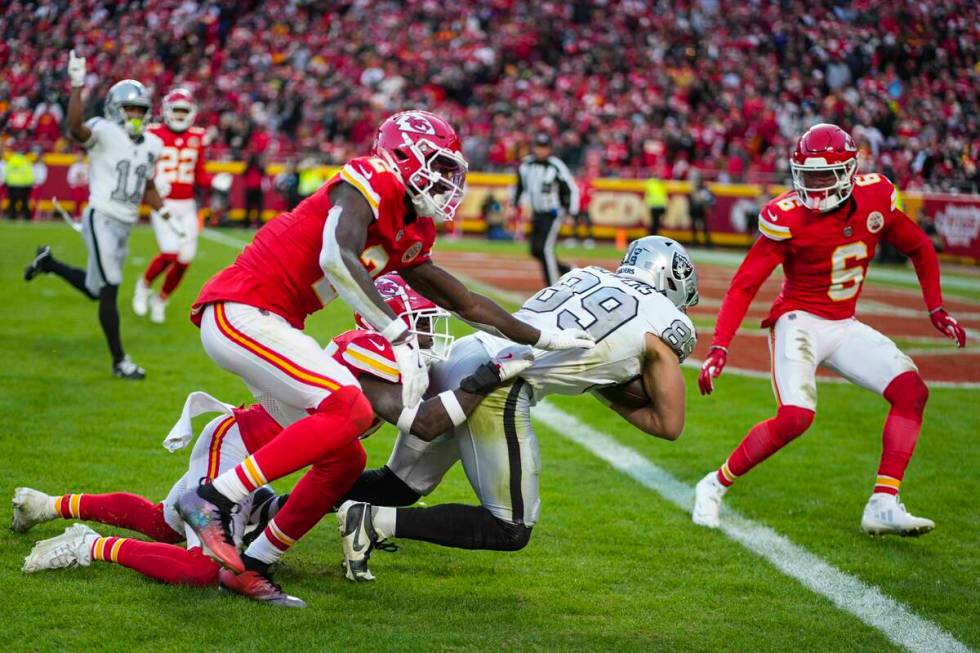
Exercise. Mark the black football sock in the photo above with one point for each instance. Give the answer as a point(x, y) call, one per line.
point(460, 526)
point(74, 276)
point(109, 319)
point(380, 487)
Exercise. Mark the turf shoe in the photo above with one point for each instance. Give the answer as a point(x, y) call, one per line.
point(127, 369)
point(358, 536)
point(31, 507)
point(39, 264)
point(266, 504)
point(141, 297)
point(255, 583)
point(73, 548)
point(158, 309)
point(884, 514)
point(209, 514)
point(707, 501)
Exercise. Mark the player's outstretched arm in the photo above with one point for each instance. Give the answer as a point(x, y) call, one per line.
point(481, 312)
point(663, 381)
point(431, 418)
point(76, 108)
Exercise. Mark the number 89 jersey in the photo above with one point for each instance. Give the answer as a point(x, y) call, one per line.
point(618, 311)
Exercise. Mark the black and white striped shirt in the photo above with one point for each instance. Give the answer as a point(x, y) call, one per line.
point(548, 184)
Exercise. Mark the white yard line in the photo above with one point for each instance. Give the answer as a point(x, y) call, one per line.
point(866, 602)
point(224, 239)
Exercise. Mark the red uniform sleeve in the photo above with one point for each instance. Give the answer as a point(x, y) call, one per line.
point(364, 352)
point(910, 240)
point(202, 178)
point(759, 263)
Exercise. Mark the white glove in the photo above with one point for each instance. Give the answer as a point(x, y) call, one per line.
point(565, 339)
point(414, 371)
point(76, 70)
point(512, 361)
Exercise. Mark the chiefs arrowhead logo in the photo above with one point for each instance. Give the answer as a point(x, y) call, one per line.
point(412, 252)
point(415, 123)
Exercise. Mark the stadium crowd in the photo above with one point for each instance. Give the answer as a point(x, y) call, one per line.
point(635, 88)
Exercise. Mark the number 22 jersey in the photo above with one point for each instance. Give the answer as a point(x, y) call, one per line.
point(617, 310)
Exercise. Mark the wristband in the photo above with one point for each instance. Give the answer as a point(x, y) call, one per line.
point(407, 418)
point(724, 349)
point(451, 404)
point(395, 330)
point(935, 310)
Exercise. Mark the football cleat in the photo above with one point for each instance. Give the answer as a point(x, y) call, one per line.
point(127, 369)
point(707, 501)
point(258, 587)
point(73, 548)
point(212, 523)
point(884, 514)
point(39, 264)
point(358, 538)
point(141, 297)
point(158, 309)
point(31, 507)
point(265, 505)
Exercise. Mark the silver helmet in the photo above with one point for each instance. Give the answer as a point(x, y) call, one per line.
point(127, 93)
point(665, 265)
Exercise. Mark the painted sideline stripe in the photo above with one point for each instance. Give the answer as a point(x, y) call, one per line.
point(224, 239)
point(866, 602)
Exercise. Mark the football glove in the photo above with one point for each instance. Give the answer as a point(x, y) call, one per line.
point(713, 364)
point(76, 70)
point(414, 371)
point(565, 339)
point(947, 325)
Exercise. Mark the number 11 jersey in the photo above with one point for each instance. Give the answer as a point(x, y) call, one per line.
point(618, 311)
point(119, 168)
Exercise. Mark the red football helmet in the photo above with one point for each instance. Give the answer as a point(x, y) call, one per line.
point(428, 322)
point(824, 164)
point(179, 99)
point(425, 151)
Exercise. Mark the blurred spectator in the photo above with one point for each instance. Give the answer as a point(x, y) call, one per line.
point(18, 177)
point(40, 170)
point(78, 182)
point(287, 183)
point(720, 86)
point(310, 178)
point(253, 179)
point(699, 202)
point(492, 214)
point(582, 221)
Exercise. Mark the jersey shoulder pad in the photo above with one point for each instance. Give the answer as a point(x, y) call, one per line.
point(873, 191)
point(372, 177)
point(366, 352)
point(680, 334)
point(777, 218)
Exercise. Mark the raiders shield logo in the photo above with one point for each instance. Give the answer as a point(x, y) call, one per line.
point(876, 222)
point(680, 266)
point(412, 252)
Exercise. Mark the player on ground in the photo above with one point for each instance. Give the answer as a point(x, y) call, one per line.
point(122, 159)
point(824, 234)
point(228, 439)
point(373, 217)
point(637, 318)
point(180, 171)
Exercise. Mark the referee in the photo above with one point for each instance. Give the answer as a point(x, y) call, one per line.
point(550, 189)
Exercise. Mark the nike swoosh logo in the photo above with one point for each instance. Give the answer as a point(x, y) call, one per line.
point(377, 345)
point(368, 174)
point(356, 543)
point(772, 216)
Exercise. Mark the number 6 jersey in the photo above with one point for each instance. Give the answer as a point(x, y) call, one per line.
point(119, 168)
point(617, 310)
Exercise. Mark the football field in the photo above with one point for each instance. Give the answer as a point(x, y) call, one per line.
point(614, 563)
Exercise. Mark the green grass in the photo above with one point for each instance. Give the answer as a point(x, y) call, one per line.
point(611, 565)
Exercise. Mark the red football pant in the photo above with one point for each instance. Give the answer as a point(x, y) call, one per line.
point(765, 439)
point(157, 266)
point(166, 563)
point(907, 394)
point(172, 280)
point(120, 509)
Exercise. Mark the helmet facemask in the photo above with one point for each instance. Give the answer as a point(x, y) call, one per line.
point(823, 187)
point(436, 187)
point(431, 328)
point(133, 125)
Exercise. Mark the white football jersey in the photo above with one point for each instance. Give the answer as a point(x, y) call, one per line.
point(119, 168)
point(617, 310)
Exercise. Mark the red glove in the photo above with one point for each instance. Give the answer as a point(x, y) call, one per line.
point(713, 364)
point(945, 324)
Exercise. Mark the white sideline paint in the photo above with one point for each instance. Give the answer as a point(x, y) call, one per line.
point(866, 602)
point(224, 239)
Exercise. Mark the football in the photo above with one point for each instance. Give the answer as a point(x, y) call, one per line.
point(631, 394)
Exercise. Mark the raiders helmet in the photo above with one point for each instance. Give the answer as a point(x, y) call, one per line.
point(665, 265)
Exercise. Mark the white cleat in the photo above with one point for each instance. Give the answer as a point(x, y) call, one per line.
point(884, 514)
point(158, 309)
point(31, 507)
point(73, 548)
point(358, 537)
point(707, 501)
point(141, 297)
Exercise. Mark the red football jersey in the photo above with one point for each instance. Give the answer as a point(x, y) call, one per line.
point(182, 161)
point(362, 352)
point(825, 256)
point(280, 270)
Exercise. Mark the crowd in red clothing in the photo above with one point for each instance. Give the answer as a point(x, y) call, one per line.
point(637, 87)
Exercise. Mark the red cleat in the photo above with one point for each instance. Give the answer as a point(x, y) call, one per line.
point(212, 523)
point(258, 587)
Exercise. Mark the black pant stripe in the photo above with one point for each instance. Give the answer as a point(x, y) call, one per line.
point(90, 214)
point(514, 451)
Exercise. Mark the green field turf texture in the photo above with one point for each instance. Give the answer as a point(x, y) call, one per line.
point(611, 566)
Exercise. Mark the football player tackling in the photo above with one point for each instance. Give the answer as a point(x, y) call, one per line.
point(375, 216)
point(824, 234)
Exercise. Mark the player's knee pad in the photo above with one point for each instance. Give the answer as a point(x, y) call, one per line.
point(791, 422)
point(907, 393)
point(351, 406)
point(514, 537)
